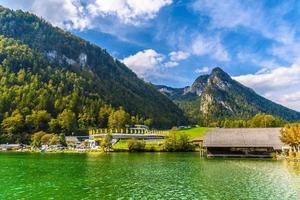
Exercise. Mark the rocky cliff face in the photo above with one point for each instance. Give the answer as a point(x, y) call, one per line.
point(218, 96)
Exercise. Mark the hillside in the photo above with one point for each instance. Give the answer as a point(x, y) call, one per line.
point(218, 96)
point(91, 72)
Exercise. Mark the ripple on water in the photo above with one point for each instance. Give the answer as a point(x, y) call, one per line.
point(145, 176)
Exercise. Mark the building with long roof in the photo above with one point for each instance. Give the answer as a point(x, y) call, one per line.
point(247, 142)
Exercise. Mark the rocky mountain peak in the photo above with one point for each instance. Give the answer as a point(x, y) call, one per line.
point(198, 86)
point(219, 73)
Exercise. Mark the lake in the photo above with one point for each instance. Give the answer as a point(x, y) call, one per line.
point(144, 176)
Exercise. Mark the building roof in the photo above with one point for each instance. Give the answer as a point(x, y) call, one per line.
point(198, 139)
point(243, 137)
point(72, 139)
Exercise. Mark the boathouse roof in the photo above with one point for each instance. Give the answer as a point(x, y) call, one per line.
point(243, 137)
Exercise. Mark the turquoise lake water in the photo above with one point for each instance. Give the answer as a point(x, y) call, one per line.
point(145, 176)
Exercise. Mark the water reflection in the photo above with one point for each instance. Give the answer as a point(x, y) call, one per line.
point(145, 176)
point(293, 167)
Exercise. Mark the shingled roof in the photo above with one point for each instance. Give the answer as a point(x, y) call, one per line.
point(243, 137)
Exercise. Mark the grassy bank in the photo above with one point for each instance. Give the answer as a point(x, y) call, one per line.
point(122, 145)
point(194, 132)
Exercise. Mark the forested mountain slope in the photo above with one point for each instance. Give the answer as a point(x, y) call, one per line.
point(43, 68)
point(217, 96)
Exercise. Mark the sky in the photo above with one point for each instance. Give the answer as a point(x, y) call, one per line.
point(172, 42)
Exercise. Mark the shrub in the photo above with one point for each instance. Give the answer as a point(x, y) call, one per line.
point(136, 145)
point(178, 142)
point(106, 143)
point(36, 139)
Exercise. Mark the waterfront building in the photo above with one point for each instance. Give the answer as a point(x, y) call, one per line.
point(243, 142)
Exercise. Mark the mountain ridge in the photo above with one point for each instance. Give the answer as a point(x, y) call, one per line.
point(218, 96)
point(114, 82)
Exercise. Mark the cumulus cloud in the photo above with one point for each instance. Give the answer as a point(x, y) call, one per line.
point(149, 62)
point(210, 46)
point(280, 85)
point(76, 14)
point(171, 64)
point(128, 11)
point(68, 14)
point(144, 61)
point(178, 55)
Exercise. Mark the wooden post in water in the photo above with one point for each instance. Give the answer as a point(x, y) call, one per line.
point(201, 149)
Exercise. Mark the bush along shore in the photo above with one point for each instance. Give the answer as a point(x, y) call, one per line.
point(44, 142)
point(290, 136)
point(175, 142)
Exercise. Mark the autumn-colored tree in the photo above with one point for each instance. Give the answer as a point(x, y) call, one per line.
point(290, 135)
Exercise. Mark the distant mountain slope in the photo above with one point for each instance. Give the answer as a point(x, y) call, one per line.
point(217, 96)
point(111, 80)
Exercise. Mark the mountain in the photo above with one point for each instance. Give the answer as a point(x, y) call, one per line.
point(79, 69)
point(218, 96)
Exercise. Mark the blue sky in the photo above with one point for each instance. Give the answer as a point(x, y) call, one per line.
point(172, 42)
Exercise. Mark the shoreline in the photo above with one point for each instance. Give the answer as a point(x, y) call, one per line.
point(289, 159)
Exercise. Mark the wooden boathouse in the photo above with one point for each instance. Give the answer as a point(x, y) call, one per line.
point(242, 142)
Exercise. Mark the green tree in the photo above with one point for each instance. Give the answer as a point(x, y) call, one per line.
point(184, 143)
point(148, 122)
point(36, 139)
point(62, 140)
point(264, 121)
point(54, 126)
point(118, 119)
point(170, 143)
point(103, 116)
point(13, 127)
point(178, 142)
point(45, 140)
point(106, 143)
point(67, 121)
point(38, 120)
point(136, 145)
point(54, 140)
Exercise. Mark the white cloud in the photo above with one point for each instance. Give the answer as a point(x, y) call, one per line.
point(203, 70)
point(128, 11)
point(265, 64)
point(210, 46)
point(171, 64)
point(280, 85)
point(144, 62)
point(150, 63)
point(74, 14)
point(235, 13)
point(68, 14)
point(228, 14)
point(271, 23)
point(178, 55)
point(288, 52)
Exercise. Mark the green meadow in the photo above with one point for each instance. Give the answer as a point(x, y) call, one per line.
point(194, 132)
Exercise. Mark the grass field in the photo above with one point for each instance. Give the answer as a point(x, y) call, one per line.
point(194, 132)
point(122, 145)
